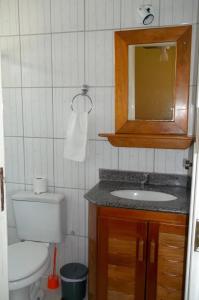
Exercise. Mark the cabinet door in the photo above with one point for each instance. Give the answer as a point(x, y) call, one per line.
point(166, 262)
point(121, 259)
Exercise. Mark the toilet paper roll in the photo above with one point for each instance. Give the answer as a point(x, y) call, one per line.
point(40, 185)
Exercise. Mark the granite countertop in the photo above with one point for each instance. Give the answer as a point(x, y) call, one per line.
point(177, 185)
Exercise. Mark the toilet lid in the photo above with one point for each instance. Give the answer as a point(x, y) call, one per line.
point(25, 258)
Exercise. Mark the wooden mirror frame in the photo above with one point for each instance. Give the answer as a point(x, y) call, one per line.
point(182, 36)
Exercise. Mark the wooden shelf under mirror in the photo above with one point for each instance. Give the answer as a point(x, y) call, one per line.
point(152, 71)
point(149, 141)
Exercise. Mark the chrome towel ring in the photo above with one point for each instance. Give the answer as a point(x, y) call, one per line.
point(83, 94)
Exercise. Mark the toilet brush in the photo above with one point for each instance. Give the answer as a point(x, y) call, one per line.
point(53, 279)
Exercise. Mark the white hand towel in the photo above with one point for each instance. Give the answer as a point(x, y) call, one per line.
point(76, 136)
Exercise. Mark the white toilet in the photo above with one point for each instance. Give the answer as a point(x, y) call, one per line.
point(39, 222)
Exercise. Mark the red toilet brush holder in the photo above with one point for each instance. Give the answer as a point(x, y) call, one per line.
point(53, 279)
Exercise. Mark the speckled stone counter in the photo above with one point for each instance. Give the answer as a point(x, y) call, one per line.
point(177, 185)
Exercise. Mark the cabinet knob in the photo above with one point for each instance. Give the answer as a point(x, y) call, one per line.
point(152, 252)
point(196, 243)
point(2, 189)
point(141, 251)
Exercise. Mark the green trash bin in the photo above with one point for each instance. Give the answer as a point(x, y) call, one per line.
point(73, 281)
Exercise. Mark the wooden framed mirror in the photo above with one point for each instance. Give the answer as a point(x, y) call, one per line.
point(152, 71)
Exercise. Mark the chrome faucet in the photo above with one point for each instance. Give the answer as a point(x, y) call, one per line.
point(145, 180)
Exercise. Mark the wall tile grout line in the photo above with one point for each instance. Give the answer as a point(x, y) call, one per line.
point(118, 158)
point(65, 235)
point(120, 15)
point(62, 32)
point(84, 41)
point(49, 186)
point(153, 160)
point(84, 66)
point(48, 138)
point(159, 12)
point(58, 87)
point(22, 99)
point(52, 83)
point(77, 235)
point(94, 30)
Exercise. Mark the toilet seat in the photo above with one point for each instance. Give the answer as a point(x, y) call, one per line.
point(27, 262)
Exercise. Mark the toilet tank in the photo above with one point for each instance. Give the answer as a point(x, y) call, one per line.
point(39, 217)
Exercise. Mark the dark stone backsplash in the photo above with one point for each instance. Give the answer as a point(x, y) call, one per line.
point(137, 177)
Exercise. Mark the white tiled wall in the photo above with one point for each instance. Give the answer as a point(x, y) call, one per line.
point(10, 56)
point(38, 112)
point(9, 17)
point(76, 210)
point(178, 12)
point(99, 58)
point(13, 112)
point(136, 159)
point(100, 154)
point(67, 15)
point(68, 59)
point(102, 118)
point(104, 14)
point(36, 60)
point(14, 159)
point(169, 161)
point(38, 153)
point(49, 49)
point(68, 173)
point(34, 16)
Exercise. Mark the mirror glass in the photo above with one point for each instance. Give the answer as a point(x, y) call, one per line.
point(151, 81)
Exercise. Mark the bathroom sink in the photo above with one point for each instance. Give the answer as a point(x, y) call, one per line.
point(143, 195)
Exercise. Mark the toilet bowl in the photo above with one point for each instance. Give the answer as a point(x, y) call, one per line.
point(28, 261)
point(39, 221)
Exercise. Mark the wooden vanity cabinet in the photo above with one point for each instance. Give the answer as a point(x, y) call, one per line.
point(166, 259)
point(121, 258)
point(136, 255)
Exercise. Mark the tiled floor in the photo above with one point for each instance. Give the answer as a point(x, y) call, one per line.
point(52, 295)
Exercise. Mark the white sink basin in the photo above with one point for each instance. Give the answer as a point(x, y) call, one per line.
point(143, 195)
